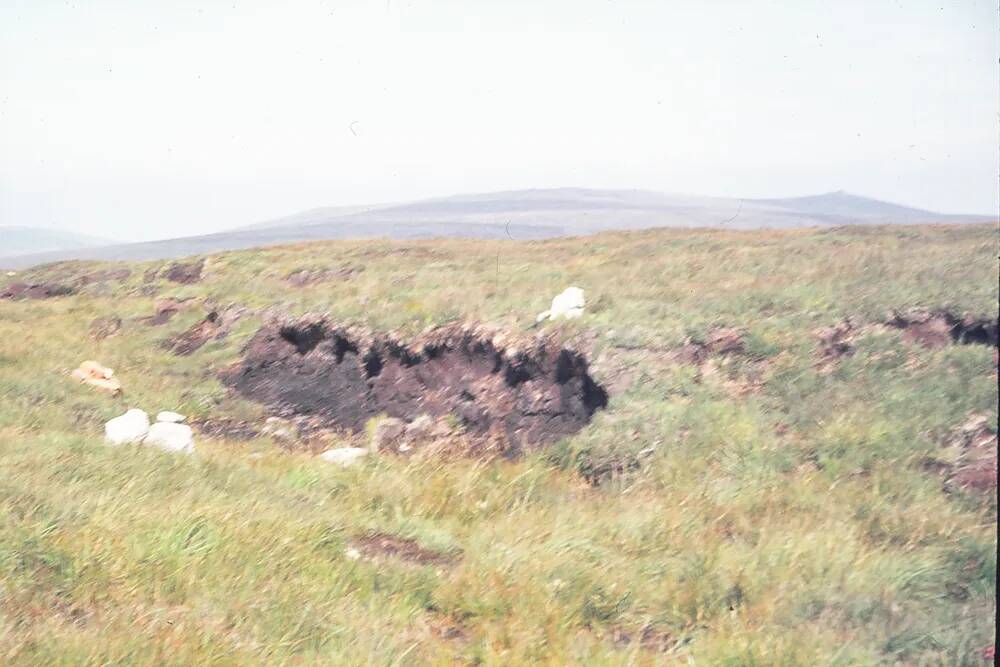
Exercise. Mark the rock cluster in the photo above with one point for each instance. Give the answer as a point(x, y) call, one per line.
point(167, 433)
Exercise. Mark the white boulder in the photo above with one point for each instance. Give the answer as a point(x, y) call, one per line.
point(130, 427)
point(344, 456)
point(170, 417)
point(569, 304)
point(171, 437)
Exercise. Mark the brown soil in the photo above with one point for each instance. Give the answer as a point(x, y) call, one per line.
point(721, 357)
point(378, 544)
point(164, 310)
point(836, 341)
point(529, 391)
point(937, 328)
point(720, 341)
point(928, 328)
point(36, 291)
point(185, 273)
point(972, 462)
point(216, 324)
point(976, 468)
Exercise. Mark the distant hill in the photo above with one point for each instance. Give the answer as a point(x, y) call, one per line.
point(521, 214)
point(24, 240)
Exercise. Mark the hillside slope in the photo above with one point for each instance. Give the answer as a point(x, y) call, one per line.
point(770, 495)
point(523, 215)
point(32, 240)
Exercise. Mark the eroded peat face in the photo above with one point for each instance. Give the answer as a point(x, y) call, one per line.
point(528, 391)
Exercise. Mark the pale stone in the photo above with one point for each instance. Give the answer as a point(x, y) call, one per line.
point(344, 456)
point(420, 428)
point(569, 304)
point(130, 427)
point(388, 434)
point(171, 437)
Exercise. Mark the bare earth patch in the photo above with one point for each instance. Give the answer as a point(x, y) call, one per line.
point(969, 461)
point(36, 291)
point(921, 326)
point(937, 328)
point(164, 310)
point(216, 325)
point(529, 391)
point(378, 544)
point(186, 273)
point(715, 355)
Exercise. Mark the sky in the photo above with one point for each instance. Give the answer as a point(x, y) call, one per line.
point(138, 120)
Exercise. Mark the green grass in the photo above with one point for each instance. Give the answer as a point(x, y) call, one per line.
point(791, 525)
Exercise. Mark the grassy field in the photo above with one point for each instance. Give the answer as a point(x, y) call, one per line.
point(769, 512)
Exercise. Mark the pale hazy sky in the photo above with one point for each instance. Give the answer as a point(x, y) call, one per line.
point(142, 119)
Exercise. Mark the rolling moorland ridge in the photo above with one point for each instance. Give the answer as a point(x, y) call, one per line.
point(792, 465)
point(520, 215)
point(33, 240)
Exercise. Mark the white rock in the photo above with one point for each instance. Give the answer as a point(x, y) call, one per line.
point(569, 304)
point(171, 437)
point(344, 456)
point(170, 417)
point(127, 428)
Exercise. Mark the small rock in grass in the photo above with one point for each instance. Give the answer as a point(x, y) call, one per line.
point(388, 432)
point(130, 427)
point(280, 429)
point(170, 437)
point(420, 428)
point(344, 456)
point(568, 304)
point(97, 376)
point(170, 417)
